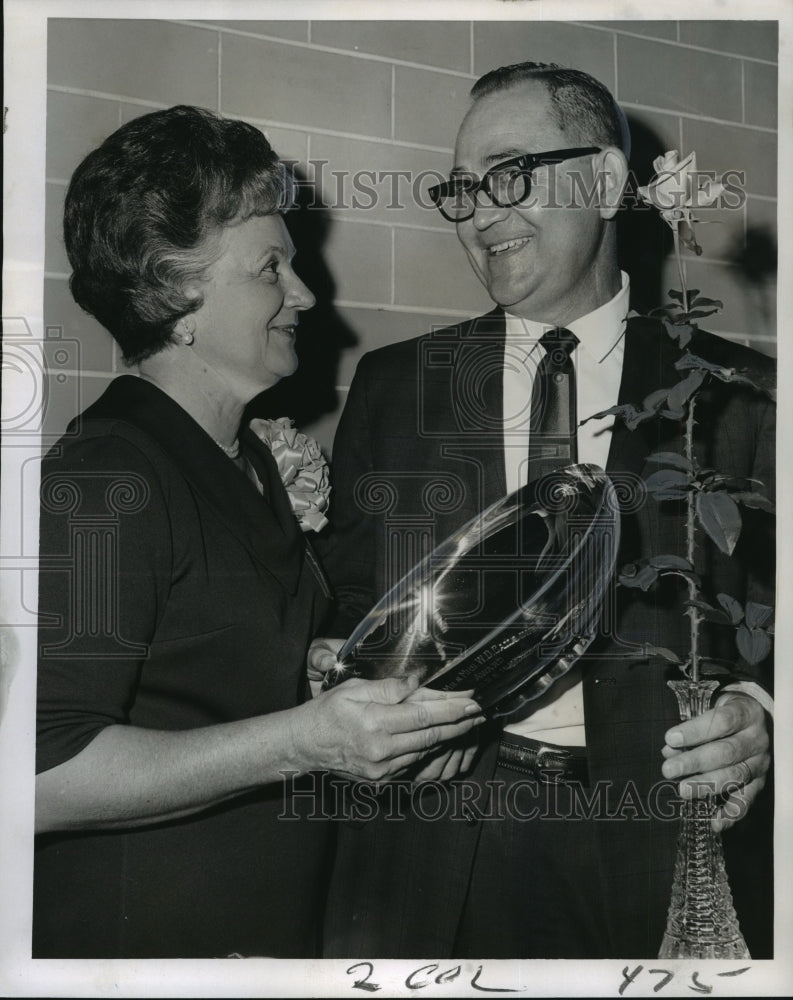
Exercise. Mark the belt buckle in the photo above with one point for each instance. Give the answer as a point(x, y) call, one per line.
point(549, 773)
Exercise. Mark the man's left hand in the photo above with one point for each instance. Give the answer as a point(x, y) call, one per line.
point(726, 750)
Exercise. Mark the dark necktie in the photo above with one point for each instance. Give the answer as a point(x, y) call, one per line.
point(554, 421)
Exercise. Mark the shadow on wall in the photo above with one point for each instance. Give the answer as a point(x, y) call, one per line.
point(643, 238)
point(645, 242)
point(755, 261)
point(322, 336)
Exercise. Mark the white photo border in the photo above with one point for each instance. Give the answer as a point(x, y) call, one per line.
point(22, 311)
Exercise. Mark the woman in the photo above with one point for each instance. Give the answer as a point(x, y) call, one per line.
point(177, 595)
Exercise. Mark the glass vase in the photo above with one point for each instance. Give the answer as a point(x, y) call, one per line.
point(701, 922)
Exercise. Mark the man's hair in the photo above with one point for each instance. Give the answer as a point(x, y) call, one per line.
point(581, 105)
point(144, 210)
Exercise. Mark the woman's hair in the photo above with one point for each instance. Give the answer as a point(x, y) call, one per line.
point(143, 212)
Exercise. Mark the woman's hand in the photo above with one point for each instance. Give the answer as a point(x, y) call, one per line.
point(128, 777)
point(448, 762)
point(449, 759)
point(321, 658)
point(375, 730)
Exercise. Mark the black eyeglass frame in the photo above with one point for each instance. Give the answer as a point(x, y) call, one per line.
point(526, 163)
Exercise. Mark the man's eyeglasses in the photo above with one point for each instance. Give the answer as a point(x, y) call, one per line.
point(506, 184)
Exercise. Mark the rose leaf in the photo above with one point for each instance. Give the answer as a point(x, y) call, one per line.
point(739, 483)
point(757, 615)
point(668, 484)
point(639, 418)
point(625, 411)
point(733, 608)
point(638, 577)
point(669, 495)
point(701, 313)
point(661, 653)
point(692, 361)
point(702, 301)
point(655, 400)
point(709, 668)
point(685, 389)
point(719, 516)
point(753, 644)
point(681, 332)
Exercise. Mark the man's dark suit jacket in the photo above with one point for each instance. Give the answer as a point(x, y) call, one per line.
point(419, 450)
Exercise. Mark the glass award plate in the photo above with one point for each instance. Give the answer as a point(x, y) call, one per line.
point(507, 604)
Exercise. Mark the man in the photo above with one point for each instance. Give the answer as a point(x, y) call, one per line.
point(437, 428)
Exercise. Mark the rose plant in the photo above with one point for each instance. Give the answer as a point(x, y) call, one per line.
point(712, 501)
point(701, 921)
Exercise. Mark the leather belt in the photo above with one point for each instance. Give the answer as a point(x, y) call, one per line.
point(546, 763)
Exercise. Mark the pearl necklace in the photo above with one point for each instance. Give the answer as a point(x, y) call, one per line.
point(232, 450)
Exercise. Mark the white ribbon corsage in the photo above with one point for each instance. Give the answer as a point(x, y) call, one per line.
point(303, 470)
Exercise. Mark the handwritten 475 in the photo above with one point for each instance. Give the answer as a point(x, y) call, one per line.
point(667, 975)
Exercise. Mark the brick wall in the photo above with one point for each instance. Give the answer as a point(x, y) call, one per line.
point(388, 96)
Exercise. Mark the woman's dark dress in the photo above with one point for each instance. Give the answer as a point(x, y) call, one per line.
point(173, 596)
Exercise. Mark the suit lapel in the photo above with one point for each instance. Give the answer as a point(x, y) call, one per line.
point(263, 524)
point(477, 403)
point(648, 364)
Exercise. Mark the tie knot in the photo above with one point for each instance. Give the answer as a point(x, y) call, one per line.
point(560, 344)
